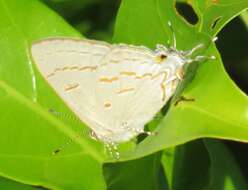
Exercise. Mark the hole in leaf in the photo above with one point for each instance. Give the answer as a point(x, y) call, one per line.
point(187, 12)
point(232, 45)
point(215, 22)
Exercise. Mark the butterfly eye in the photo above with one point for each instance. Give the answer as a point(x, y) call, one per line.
point(161, 58)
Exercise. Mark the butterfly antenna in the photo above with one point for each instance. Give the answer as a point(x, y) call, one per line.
point(69, 142)
point(62, 147)
point(70, 117)
point(63, 115)
point(196, 48)
point(174, 41)
point(193, 50)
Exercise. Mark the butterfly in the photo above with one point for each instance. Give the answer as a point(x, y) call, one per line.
point(115, 89)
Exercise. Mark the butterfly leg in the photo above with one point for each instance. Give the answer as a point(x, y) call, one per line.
point(148, 133)
point(189, 53)
point(200, 58)
point(182, 99)
point(137, 131)
point(63, 115)
point(62, 147)
point(112, 149)
point(93, 135)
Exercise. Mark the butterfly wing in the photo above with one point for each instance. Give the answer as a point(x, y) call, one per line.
point(114, 89)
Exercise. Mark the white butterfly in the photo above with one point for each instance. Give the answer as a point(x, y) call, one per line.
point(114, 89)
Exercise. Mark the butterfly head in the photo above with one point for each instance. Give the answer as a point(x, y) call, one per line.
point(169, 57)
point(173, 56)
point(174, 60)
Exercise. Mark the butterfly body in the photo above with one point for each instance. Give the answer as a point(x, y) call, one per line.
point(114, 89)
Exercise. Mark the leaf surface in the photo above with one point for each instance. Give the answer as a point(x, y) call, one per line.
point(202, 165)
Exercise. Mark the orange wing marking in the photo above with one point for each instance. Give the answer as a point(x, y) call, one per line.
point(107, 104)
point(91, 68)
point(63, 69)
point(118, 61)
point(128, 73)
point(162, 85)
point(50, 75)
point(58, 69)
point(75, 68)
point(109, 80)
point(125, 90)
point(144, 75)
point(70, 87)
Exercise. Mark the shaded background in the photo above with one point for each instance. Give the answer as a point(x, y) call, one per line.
point(95, 19)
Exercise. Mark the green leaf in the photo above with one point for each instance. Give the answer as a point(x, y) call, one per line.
point(69, 8)
point(29, 133)
point(187, 166)
point(167, 161)
point(225, 173)
point(244, 16)
point(220, 107)
point(136, 174)
point(203, 165)
point(214, 14)
point(12, 185)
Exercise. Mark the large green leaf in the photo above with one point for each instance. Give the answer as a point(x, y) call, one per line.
point(69, 9)
point(220, 107)
point(187, 166)
point(225, 173)
point(202, 165)
point(143, 173)
point(29, 133)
